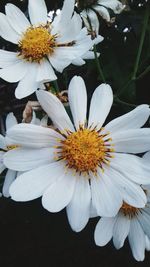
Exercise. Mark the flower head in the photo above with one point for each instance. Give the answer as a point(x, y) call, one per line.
point(82, 163)
point(41, 45)
point(130, 222)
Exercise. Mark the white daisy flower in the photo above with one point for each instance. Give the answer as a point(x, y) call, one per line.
point(81, 162)
point(93, 8)
point(4, 147)
point(130, 222)
point(41, 45)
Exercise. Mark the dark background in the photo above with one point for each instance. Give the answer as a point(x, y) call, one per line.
point(29, 235)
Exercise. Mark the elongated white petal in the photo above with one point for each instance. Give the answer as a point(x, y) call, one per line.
point(78, 209)
point(14, 73)
point(10, 120)
point(28, 85)
point(78, 100)
point(90, 16)
point(144, 220)
point(138, 172)
point(37, 12)
point(35, 136)
point(66, 13)
point(16, 18)
point(104, 231)
point(120, 230)
point(2, 166)
point(131, 120)
point(55, 110)
point(131, 192)
point(6, 31)
point(103, 12)
point(24, 159)
point(60, 193)
point(9, 178)
point(100, 106)
point(31, 185)
point(132, 141)
point(115, 5)
point(137, 240)
point(147, 243)
point(8, 58)
point(45, 72)
point(2, 142)
point(105, 195)
point(146, 157)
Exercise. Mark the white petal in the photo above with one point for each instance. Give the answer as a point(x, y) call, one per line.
point(60, 193)
point(137, 240)
point(35, 136)
point(8, 58)
point(31, 185)
point(90, 15)
point(14, 73)
point(115, 5)
point(2, 166)
point(132, 141)
point(121, 230)
point(28, 85)
point(104, 231)
point(16, 18)
point(2, 142)
point(6, 31)
point(37, 12)
point(131, 120)
point(24, 159)
point(146, 157)
point(103, 12)
point(100, 106)
point(147, 243)
point(132, 193)
point(9, 178)
point(79, 207)
point(105, 195)
point(66, 13)
point(144, 220)
point(55, 110)
point(78, 100)
point(131, 167)
point(78, 62)
point(45, 72)
point(93, 211)
point(10, 120)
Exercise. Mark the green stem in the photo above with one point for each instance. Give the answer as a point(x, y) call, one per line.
point(143, 73)
point(55, 83)
point(145, 22)
point(124, 87)
point(97, 61)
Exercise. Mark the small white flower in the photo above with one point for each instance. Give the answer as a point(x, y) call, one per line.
point(4, 147)
point(41, 46)
point(81, 162)
point(130, 222)
point(100, 7)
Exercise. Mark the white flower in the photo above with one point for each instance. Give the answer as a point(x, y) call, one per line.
point(83, 162)
point(130, 222)
point(100, 7)
point(41, 46)
point(4, 147)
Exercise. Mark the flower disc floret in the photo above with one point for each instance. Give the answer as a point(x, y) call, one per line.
point(37, 43)
point(128, 210)
point(85, 150)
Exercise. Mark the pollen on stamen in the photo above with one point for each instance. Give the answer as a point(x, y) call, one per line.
point(129, 210)
point(36, 43)
point(85, 151)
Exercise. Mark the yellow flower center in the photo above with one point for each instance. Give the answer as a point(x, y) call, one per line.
point(11, 147)
point(36, 43)
point(85, 150)
point(128, 210)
